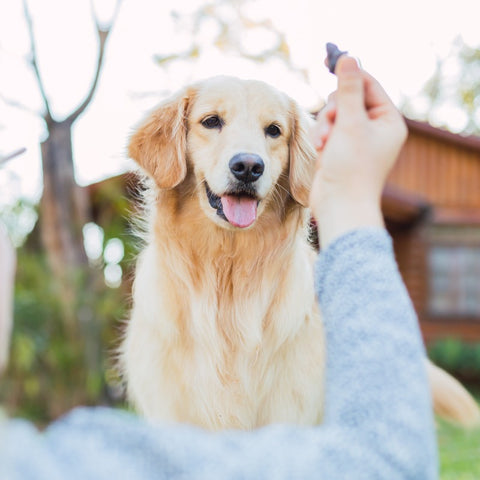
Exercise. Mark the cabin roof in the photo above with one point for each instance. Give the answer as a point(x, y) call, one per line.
point(471, 142)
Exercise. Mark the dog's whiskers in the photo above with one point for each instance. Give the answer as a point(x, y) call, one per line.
point(283, 188)
point(277, 197)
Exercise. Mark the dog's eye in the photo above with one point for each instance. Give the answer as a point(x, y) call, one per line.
point(273, 131)
point(214, 121)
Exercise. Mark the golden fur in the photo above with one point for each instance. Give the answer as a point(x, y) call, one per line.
point(225, 331)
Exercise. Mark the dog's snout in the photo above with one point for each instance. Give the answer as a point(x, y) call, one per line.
point(247, 167)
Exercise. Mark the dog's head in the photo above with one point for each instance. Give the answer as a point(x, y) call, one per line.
point(244, 142)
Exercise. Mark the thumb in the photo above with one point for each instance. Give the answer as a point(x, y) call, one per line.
point(350, 91)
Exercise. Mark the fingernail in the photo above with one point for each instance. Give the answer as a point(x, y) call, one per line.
point(348, 65)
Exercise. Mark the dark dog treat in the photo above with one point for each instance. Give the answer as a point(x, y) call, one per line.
point(333, 54)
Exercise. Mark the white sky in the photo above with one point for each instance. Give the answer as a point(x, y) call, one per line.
point(397, 41)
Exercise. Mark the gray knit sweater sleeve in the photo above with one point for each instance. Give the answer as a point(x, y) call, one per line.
point(378, 421)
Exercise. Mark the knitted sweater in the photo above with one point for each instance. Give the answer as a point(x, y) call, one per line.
point(378, 421)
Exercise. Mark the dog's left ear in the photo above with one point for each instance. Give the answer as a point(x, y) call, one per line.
point(302, 157)
point(159, 146)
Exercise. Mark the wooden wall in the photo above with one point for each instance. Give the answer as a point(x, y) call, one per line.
point(411, 258)
point(446, 174)
point(444, 169)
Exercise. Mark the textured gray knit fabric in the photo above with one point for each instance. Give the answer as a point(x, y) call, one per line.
point(378, 421)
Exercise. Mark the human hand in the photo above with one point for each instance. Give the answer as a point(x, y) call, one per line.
point(358, 136)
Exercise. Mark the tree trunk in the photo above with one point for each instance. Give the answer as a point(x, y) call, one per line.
point(64, 210)
point(64, 205)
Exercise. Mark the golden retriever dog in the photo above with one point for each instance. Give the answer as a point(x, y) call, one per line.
point(225, 330)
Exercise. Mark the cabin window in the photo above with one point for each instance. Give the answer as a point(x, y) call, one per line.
point(454, 272)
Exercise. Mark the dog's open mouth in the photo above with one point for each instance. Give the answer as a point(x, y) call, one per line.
point(239, 208)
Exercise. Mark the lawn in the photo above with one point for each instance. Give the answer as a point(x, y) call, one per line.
point(459, 452)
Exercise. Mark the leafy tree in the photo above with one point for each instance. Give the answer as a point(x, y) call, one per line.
point(47, 372)
point(455, 85)
point(64, 208)
point(59, 328)
point(232, 28)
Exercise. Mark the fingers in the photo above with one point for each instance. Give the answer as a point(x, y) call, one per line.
point(350, 78)
point(323, 124)
point(375, 95)
point(358, 89)
point(358, 94)
point(350, 97)
point(380, 106)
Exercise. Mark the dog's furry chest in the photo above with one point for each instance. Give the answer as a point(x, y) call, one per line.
point(231, 351)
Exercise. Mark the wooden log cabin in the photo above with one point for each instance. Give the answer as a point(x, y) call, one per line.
point(431, 206)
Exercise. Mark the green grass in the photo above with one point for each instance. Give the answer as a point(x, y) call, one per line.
point(459, 452)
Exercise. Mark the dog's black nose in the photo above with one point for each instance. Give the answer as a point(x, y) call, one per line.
point(247, 167)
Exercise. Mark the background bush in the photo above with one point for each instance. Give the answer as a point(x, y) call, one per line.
point(460, 358)
point(49, 372)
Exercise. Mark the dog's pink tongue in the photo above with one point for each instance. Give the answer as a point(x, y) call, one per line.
point(240, 211)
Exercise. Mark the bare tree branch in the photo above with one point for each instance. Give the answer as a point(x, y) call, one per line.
point(19, 105)
point(112, 20)
point(12, 155)
point(102, 33)
point(48, 115)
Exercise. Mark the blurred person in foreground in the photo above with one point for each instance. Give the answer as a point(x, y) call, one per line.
point(7, 272)
point(378, 422)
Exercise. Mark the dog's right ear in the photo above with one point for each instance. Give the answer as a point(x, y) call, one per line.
point(159, 146)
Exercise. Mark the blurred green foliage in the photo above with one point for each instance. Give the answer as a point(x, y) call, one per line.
point(460, 358)
point(455, 84)
point(53, 368)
